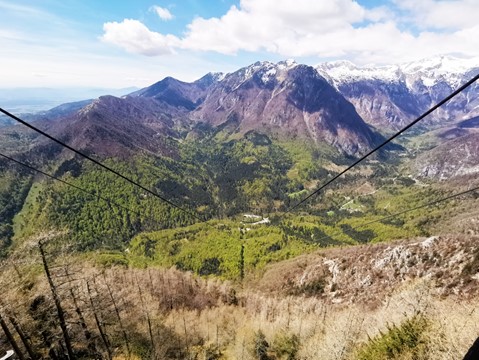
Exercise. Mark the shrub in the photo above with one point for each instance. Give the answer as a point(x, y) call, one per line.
point(407, 338)
point(286, 346)
point(472, 267)
point(260, 346)
point(312, 288)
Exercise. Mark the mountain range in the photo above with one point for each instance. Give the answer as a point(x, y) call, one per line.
point(338, 103)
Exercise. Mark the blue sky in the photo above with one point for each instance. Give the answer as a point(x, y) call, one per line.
point(58, 43)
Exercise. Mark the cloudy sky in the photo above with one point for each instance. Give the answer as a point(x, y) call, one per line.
point(103, 43)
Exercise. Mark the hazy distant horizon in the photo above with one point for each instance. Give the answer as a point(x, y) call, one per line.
point(36, 99)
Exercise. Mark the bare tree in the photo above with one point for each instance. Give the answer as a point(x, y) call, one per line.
point(117, 313)
point(11, 339)
point(98, 322)
point(23, 337)
point(147, 314)
point(86, 332)
point(58, 305)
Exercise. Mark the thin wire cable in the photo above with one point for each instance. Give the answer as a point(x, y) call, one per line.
point(439, 104)
point(420, 207)
point(101, 165)
point(404, 211)
point(70, 184)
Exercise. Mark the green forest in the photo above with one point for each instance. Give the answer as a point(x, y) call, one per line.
point(214, 181)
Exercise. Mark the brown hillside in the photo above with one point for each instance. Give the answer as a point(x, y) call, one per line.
point(370, 273)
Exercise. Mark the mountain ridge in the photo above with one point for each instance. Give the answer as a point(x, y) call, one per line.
point(283, 100)
point(392, 96)
point(286, 99)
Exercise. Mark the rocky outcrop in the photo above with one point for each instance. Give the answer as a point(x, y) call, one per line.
point(454, 158)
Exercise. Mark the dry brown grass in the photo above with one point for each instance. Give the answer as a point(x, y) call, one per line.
point(168, 314)
point(328, 331)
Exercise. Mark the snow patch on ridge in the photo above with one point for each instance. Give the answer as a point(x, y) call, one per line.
point(268, 75)
point(427, 72)
point(346, 71)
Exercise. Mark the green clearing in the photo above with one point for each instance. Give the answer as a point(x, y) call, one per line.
point(215, 248)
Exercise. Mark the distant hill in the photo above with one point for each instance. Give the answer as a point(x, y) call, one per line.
point(30, 101)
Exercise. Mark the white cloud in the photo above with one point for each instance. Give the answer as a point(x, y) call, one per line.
point(332, 28)
point(163, 13)
point(7, 34)
point(21, 9)
point(271, 25)
point(135, 37)
point(441, 14)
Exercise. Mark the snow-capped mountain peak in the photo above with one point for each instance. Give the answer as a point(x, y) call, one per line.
point(345, 71)
point(426, 71)
point(441, 65)
point(286, 64)
point(217, 76)
point(393, 95)
point(429, 72)
point(266, 71)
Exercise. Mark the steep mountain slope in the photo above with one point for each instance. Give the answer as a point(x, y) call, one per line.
point(392, 96)
point(179, 94)
point(456, 157)
point(288, 100)
point(118, 127)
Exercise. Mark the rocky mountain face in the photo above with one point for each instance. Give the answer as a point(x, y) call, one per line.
point(285, 99)
point(390, 97)
point(111, 126)
point(457, 157)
